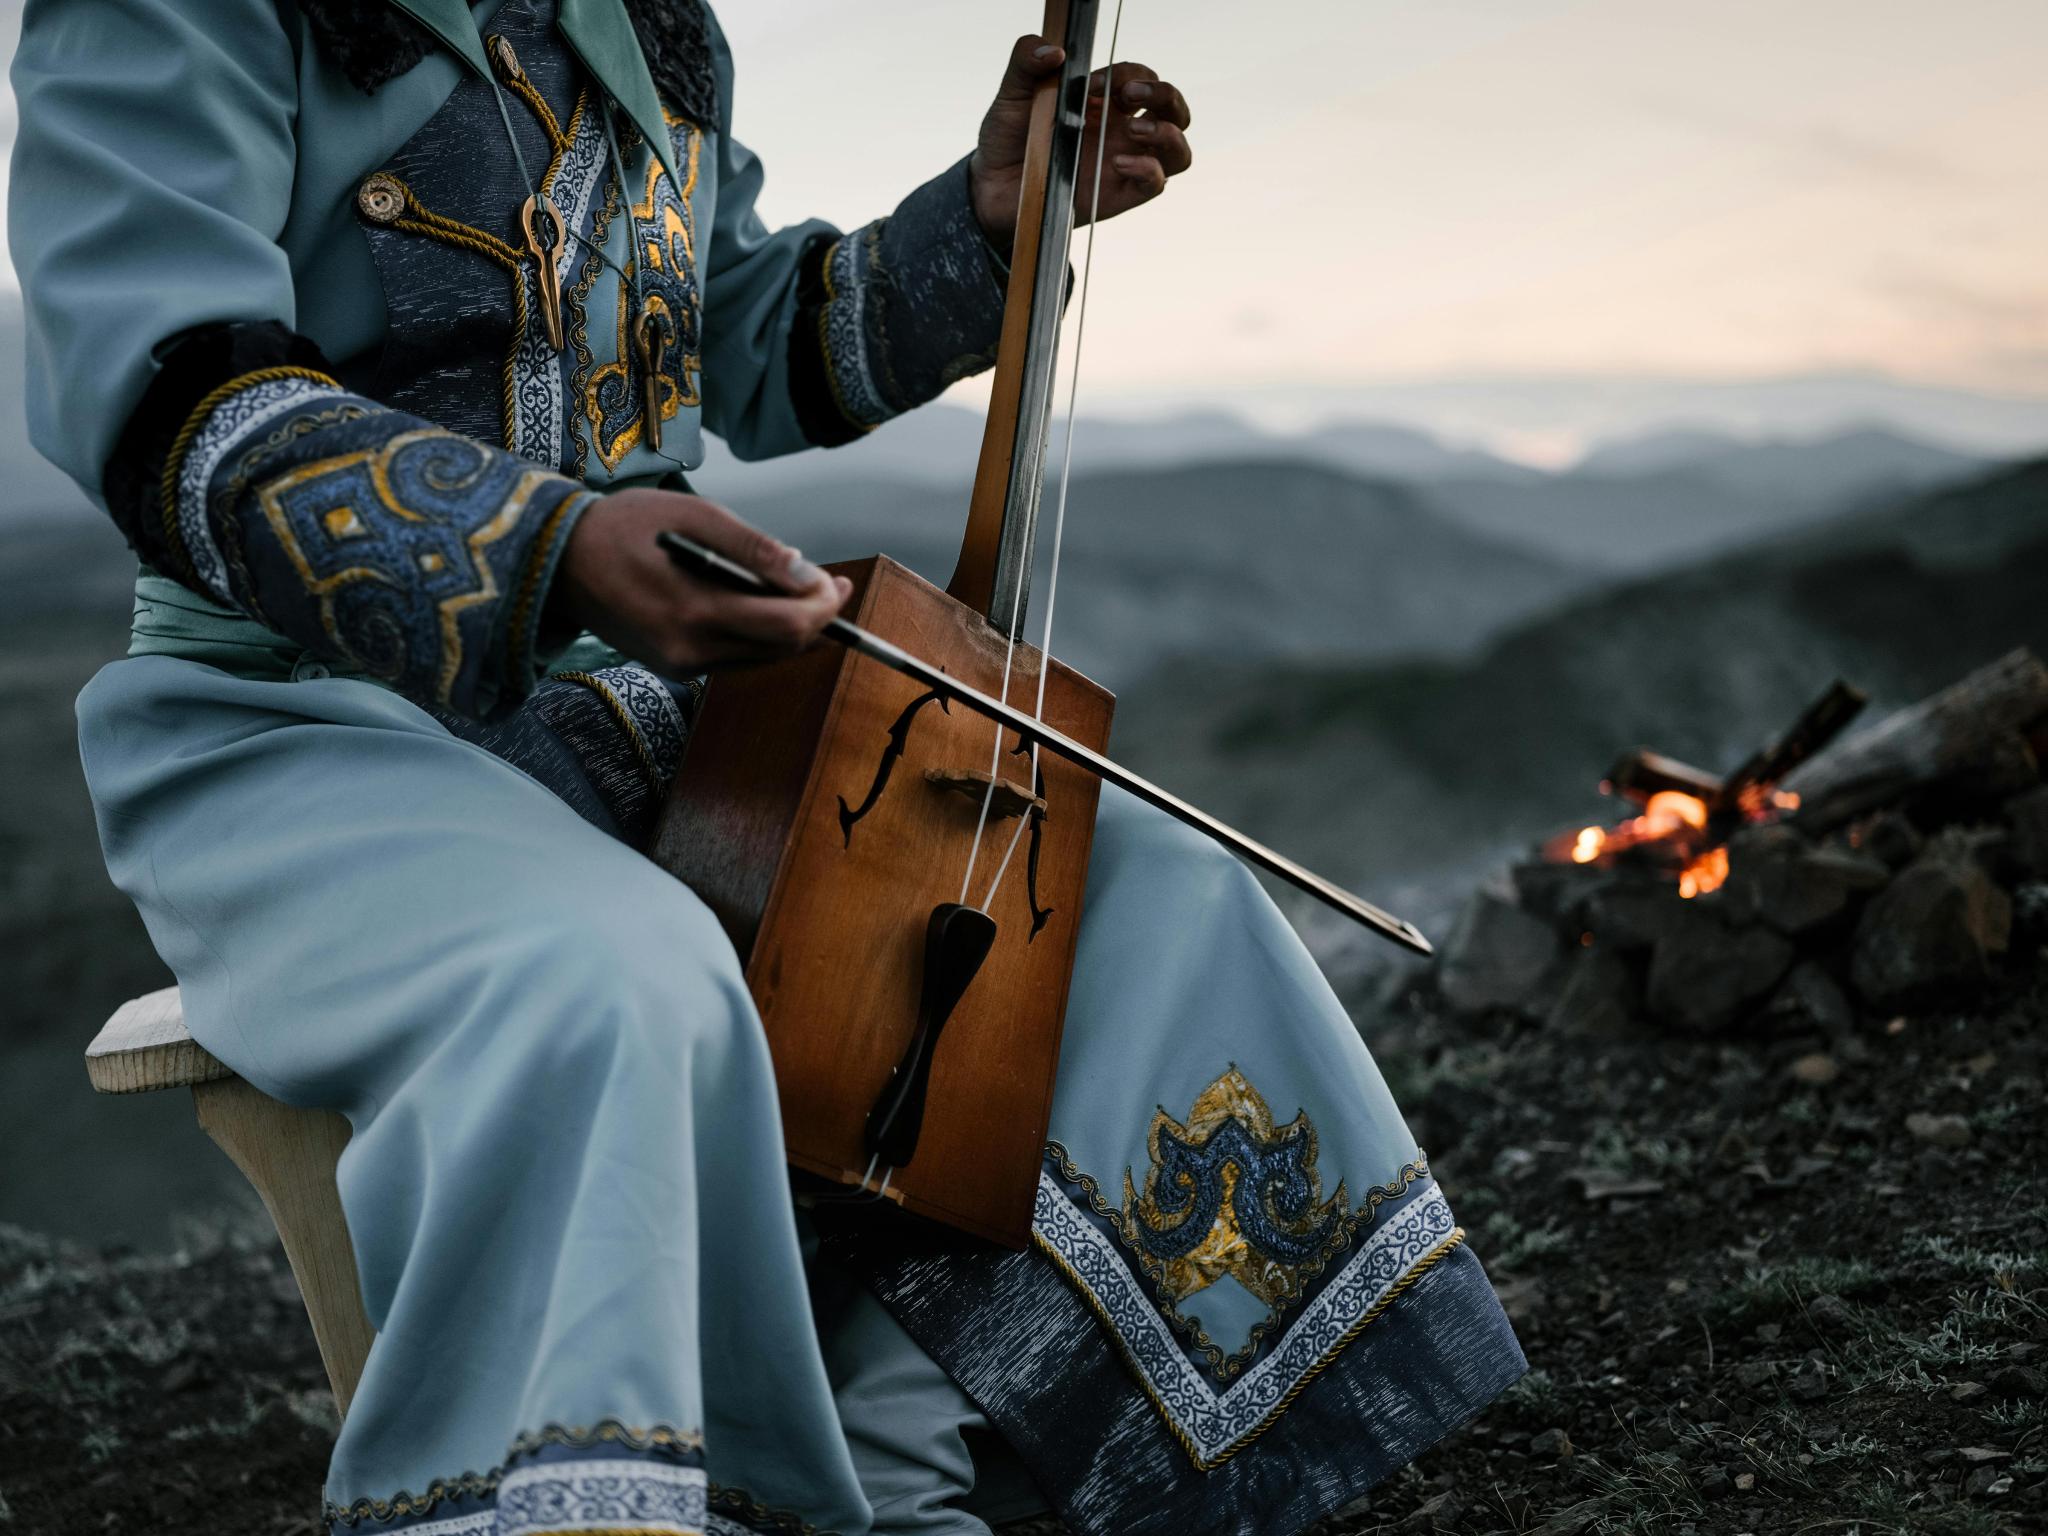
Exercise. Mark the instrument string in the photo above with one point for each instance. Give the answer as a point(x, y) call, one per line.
point(1059, 516)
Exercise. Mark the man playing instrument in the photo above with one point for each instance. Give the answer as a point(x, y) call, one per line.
point(387, 331)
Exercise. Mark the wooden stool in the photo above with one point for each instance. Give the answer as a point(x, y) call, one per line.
point(288, 1154)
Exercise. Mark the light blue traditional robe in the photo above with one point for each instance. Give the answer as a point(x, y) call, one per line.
point(381, 819)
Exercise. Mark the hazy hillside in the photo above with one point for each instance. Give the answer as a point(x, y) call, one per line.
point(939, 445)
point(1655, 502)
point(1410, 779)
point(1232, 560)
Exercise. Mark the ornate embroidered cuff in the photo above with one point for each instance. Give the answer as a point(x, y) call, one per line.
point(890, 314)
point(410, 553)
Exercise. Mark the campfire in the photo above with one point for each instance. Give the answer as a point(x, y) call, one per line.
point(1829, 877)
point(1688, 815)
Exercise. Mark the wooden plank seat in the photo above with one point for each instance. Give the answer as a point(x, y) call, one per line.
point(287, 1153)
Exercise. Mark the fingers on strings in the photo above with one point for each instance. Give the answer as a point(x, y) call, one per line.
point(1148, 125)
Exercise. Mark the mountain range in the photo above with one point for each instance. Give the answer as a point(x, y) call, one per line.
point(1412, 780)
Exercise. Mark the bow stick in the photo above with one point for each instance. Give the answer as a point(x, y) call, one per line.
point(709, 566)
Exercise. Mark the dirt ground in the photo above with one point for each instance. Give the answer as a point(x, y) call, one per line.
point(1785, 1285)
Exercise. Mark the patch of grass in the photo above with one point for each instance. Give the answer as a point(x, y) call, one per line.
point(1650, 1494)
point(1613, 1150)
point(1852, 1448)
point(1991, 1119)
point(1966, 1258)
point(1768, 1292)
point(2024, 1414)
point(1511, 1246)
point(1537, 1396)
point(1893, 1510)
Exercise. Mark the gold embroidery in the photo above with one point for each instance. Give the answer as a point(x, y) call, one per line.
point(377, 461)
point(670, 250)
point(1227, 1368)
point(1257, 1184)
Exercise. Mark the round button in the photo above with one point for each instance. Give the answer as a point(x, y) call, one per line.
point(308, 670)
point(381, 198)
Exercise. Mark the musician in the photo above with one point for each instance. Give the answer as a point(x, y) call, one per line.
point(387, 333)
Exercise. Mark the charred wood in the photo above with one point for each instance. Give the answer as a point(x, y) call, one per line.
point(1972, 731)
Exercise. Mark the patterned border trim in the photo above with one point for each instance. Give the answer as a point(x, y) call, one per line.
point(647, 712)
point(536, 424)
point(209, 434)
point(842, 328)
point(1211, 1427)
point(688, 1445)
point(1227, 1367)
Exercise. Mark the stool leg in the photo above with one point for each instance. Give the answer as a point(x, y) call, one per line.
point(289, 1155)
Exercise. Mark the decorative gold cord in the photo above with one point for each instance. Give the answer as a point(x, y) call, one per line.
point(825, 342)
point(551, 125)
point(452, 231)
point(181, 445)
point(626, 722)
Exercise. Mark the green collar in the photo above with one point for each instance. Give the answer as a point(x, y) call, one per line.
point(598, 32)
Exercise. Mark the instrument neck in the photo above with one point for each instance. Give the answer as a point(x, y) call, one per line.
point(993, 575)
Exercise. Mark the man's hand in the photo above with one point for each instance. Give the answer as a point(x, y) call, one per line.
point(619, 584)
point(1147, 122)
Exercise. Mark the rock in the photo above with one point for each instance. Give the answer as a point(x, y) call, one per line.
point(1809, 999)
point(1627, 915)
point(1817, 1069)
point(1967, 1391)
point(1440, 1513)
point(1755, 1375)
point(1830, 1314)
point(2030, 915)
point(1795, 887)
point(1553, 1443)
point(1932, 931)
point(1705, 973)
point(2027, 815)
point(1603, 1186)
point(1987, 1483)
point(2017, 1381)
point(1809, 1386)
point(1745, 1482)
point(1497, 955)
point(1892, 838)
point(1557, 893)
point(1575, 1520)
point(1716, 1484)
point(1599, 996)
point(1939, 1130)
point(1982, 1455)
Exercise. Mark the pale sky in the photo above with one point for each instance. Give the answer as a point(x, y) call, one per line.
point(1390, 190)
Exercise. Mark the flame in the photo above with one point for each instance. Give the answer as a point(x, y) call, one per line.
point(1587, 848)
point(1705, 873)
point(1670, 809)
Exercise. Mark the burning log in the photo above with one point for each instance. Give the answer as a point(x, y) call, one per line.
point(1821, 722)
point(1970, 740)
point(1642, 773)
point(1688, 814)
